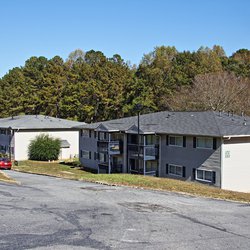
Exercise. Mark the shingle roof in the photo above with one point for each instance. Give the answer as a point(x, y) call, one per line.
point(207, 123)
point(64, 144)
point(37, 122)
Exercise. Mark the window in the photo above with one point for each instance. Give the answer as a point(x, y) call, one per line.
point(3, 131)
point(3, 148)
point(175, 141)
point(152, 139)
point(96, 156)
point(132, 139)
point(103, 157)
point(86, 154)
point(205, 175)
point(103, 136)
point(116, 137)
point(84, 133)
point(204, 142)
point(175, 170)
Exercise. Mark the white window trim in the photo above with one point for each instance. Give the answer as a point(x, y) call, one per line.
point(203, 138)
point(174, 165)
point(174, 145)
point(198, 179)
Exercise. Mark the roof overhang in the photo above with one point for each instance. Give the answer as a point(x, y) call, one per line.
point(234, 136)
point(107, 130)
point(140, 132)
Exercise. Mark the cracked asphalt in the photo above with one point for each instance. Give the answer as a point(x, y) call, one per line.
point(50, 213)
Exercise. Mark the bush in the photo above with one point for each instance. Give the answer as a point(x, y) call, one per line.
point(44, 148)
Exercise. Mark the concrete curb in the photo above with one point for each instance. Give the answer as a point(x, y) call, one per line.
point(137, 187)
point(9, 179)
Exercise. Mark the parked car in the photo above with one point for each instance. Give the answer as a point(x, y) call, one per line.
point(5, 163)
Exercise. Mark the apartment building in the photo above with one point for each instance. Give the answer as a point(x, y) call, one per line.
point(208, 147)
point(17, 132)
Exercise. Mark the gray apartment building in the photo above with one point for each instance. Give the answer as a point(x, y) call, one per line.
point(208, 147)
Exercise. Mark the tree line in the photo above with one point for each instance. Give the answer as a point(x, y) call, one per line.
point(90, 87)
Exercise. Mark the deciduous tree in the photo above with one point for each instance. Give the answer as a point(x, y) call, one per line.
point(214, 91)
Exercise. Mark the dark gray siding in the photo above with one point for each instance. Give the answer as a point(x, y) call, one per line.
point(4, 140)
point(191, 158)
point(89, 144)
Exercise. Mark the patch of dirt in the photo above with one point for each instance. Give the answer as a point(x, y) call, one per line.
point(95, 189)
point(66, 172)
point(146, 207)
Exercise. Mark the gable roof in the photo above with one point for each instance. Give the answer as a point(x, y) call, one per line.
point(207, 123)
point(64, 144)
point(134, 130)
point(37, 122)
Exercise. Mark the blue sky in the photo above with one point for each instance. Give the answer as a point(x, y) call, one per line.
point(130, 28)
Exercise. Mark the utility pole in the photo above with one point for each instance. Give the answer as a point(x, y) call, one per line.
point(138, 108)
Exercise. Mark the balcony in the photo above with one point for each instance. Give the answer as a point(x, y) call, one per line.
point(148, 152)
point(103, 168)
point(102, 146)
point(102, 139)
point(151, 152)
point(133, 151)
point(111, 147)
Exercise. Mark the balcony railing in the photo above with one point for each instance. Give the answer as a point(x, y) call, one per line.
point(148, 152)
point(111, 147)
point(104, 168)
point(151, 152)
point(102, 147)
point(133, 151)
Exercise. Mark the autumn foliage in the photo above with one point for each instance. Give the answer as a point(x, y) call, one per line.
point(91, 87)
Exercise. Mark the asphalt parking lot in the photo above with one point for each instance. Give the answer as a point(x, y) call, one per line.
point(50, 213)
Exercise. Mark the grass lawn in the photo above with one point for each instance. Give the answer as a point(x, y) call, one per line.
point(4, 177)
point(147, 182)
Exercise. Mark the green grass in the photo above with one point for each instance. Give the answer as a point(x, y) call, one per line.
point(147, 182)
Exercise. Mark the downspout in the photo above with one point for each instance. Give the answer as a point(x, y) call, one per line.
point(109, 160)
point(144, 152)
point(10, 139)
point(138, 135)
point(159, 156)
point(221, 162)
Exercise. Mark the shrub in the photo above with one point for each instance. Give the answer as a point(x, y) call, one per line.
point(44, 148)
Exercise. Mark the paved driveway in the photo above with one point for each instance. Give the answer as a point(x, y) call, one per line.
point(51, 213)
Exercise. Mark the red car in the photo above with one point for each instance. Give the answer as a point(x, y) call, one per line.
point(5, 163)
